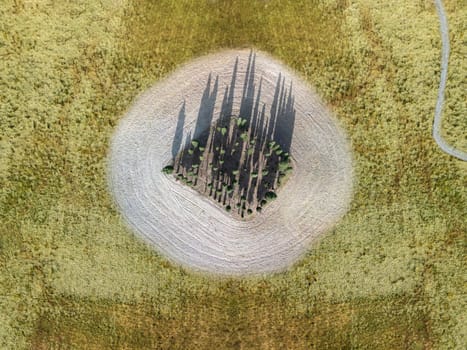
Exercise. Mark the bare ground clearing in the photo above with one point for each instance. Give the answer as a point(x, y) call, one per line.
point(189, 228)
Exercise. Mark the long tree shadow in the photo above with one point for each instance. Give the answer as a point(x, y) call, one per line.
point(178, 137)
point(237, 160)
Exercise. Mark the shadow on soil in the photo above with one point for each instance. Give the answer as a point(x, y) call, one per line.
point(239, 160)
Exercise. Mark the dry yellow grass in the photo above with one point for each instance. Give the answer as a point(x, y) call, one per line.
point(69, 71)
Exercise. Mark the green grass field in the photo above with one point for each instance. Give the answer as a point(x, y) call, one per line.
point(391, 275)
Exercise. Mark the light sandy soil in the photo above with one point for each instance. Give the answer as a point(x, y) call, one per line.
point(189, 228)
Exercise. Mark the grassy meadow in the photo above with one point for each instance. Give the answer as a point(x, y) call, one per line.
point(391, 275)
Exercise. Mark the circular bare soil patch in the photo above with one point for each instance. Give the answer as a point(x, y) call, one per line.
point(189, 177)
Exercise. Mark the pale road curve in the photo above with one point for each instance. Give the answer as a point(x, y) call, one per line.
point(188, 228)
point(443, 26)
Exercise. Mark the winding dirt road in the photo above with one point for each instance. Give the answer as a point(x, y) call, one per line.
point(443, 27)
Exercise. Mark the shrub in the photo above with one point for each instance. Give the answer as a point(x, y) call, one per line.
point(201, 148)
point(223, 131)
point(249, 211)
point(195, 143)
point(238, 205)
point(264, 202)
point(283, 165)
point(235, 172)
point(241, 122)
point(254, 175)
point(228, 208)
point(258, 209)
point(264, 172)
point(270, 195)
point(190, 151)
point(168, 169)
point(250, 151)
